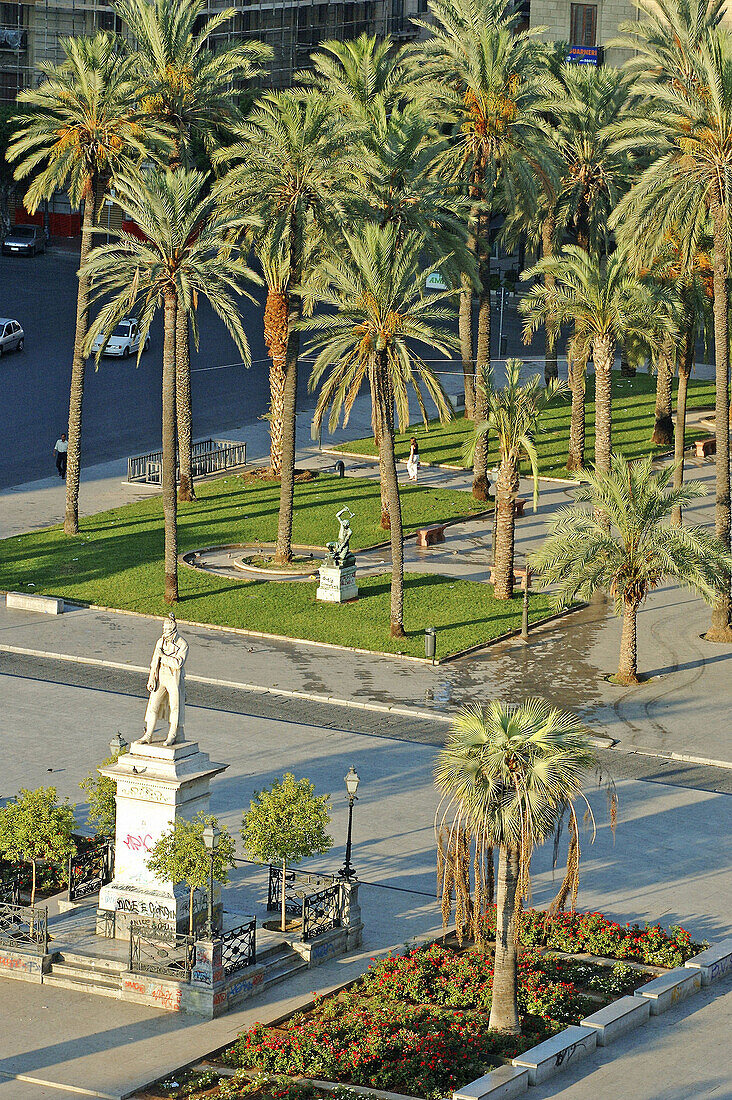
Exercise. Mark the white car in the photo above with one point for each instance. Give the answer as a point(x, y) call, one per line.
point(12, 337)
point(123, 342)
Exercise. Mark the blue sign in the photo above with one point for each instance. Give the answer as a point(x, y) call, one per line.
point(583, 55)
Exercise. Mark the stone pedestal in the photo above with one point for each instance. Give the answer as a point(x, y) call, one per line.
point(337, 582)
point(155, 785)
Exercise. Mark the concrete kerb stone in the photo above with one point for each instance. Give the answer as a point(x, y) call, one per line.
point(713, 963)
point(501, 1084)
point(669, 989)
point(615, 1019)
point(27, 601)
point(556, 1053)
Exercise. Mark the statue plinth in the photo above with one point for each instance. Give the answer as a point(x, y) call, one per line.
point(155, 785)
point(337, 580)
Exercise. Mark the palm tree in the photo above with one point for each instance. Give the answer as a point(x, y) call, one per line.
point(485, 73)
point(379, 313)
point(190, 87)
point(514, 413)
point(291, 168)
point(622, 544)
point(182, 252)
point(508, 774)
point(82, 129)
point(607, 304)
point(688, 126)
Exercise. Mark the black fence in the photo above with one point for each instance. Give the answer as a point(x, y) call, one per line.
point(239, 947)
point(24, 928)
point(314, 898)
point(321, 912)
point(10, 889)
point(160, 951)
point(90, 869)
point(208, 456)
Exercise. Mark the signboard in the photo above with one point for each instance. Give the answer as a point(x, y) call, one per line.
point(436, 282)
point(583, 55)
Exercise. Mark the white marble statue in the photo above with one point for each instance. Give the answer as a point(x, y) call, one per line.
point(167, 684)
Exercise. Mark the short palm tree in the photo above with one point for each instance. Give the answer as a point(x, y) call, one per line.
point(291, 167)
point(379, 314)
point(82, 128)
point(514, 413)
point(190, 88)
point(508, 774)
point(623, 543)
point(183, 251)
point(688, 127)
point(607, 304)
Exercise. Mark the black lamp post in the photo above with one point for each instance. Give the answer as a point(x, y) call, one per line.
point(352, 781)
point(210, 839)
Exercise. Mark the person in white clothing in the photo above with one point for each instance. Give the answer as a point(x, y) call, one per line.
point(167, 685)
point(60, 450)
point(413, 460)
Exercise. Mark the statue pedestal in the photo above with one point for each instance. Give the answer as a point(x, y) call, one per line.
point(155, 785)
point(337, 582)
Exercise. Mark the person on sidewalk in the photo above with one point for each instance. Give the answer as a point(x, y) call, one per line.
point(60, 451)
point(413, 460)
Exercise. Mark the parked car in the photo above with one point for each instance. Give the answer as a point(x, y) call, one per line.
point(12, 337)
point(25, 240)
point(123, 342)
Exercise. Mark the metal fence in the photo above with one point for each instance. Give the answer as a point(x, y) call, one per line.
point(10, 890)
point(239, 947)
point(208, 456)
point(24, 928)
point(321, 912)
point(314, 898)
point(160, 951)
point(90, 869)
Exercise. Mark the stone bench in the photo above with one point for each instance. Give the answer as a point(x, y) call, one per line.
point(25, 601)
point(501, 1084)
point(518, 575)
point(428, 536)
point(713, 963)
point(669, 989)
point(555, 1054)
point(615, 1019)
point(518, 507)
point(705, 447)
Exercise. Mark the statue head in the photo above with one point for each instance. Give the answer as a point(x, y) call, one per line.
point(170, 627)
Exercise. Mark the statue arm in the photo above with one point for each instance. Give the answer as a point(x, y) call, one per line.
point(154, 667)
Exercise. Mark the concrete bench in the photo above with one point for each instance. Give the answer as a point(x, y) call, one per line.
point(705, 447)
point(615, 1019)
point(518, 507)
point(428, 536)
point(518, 575)
point(22, 601)
point(669, 989)
point(555, 1054)
point(713, 963)
point(501, 1084)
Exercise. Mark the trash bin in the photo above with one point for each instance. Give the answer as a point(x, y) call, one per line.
point(430, 642)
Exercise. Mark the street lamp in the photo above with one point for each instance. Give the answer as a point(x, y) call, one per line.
point(118, 744)
point(352, 781)
point(210, 839)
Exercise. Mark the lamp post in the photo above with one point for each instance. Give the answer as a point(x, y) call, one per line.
point(210, 839)
point(352, 781)
point(118, 744)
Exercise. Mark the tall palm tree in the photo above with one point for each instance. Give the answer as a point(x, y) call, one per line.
point(379, 314)
point(82, 129)
point(508, 774)
point(190, 87)
point(485, 80)
point(688, 126)
point(623, 544)
point(183, 252)
point(514, 413)
point(291, 167)
point(607, 304)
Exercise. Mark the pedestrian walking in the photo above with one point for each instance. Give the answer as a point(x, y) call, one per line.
point(413, 460)
point(59, 453)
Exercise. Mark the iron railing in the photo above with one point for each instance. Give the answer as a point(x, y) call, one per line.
point(90, 869)
point(314, 898)
point(160, 951)
point(10, 890)
point(321, 912)
point(24, 928)
point(208, 456)
point(239, 947)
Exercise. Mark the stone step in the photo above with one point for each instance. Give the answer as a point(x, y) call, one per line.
point(83, 973)
point(282, 968)
point(90, 962)
point(81, 984)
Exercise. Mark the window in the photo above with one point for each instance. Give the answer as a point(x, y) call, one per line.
point(583, 28)
point(108, 21)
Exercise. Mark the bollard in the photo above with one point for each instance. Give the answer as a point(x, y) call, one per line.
point(525, 610)
point(430, 642)
point(340, 468)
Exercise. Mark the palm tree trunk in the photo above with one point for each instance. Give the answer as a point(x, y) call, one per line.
point(275, 337)
point(551, 368)
point(283, 552)
point(170, 504)
point(482, 365)
point(465, 329)
point(576, 455)
point(722, 611)
point(73, 457)
point(628, 663)
point(504, 1003)
point(387, 463)
point(603, 353)
point(506, 487)
point(663, 428)
point(685, 366)
point(183, 406)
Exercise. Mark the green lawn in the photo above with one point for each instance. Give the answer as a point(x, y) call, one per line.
point(116, 561)
point(634, 401)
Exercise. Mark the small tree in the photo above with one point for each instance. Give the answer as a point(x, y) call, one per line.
point(34, 826)
point(180, 855)
point(101, 793)
point(286, 823)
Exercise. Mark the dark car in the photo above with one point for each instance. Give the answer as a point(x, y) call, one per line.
point(24, 240)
